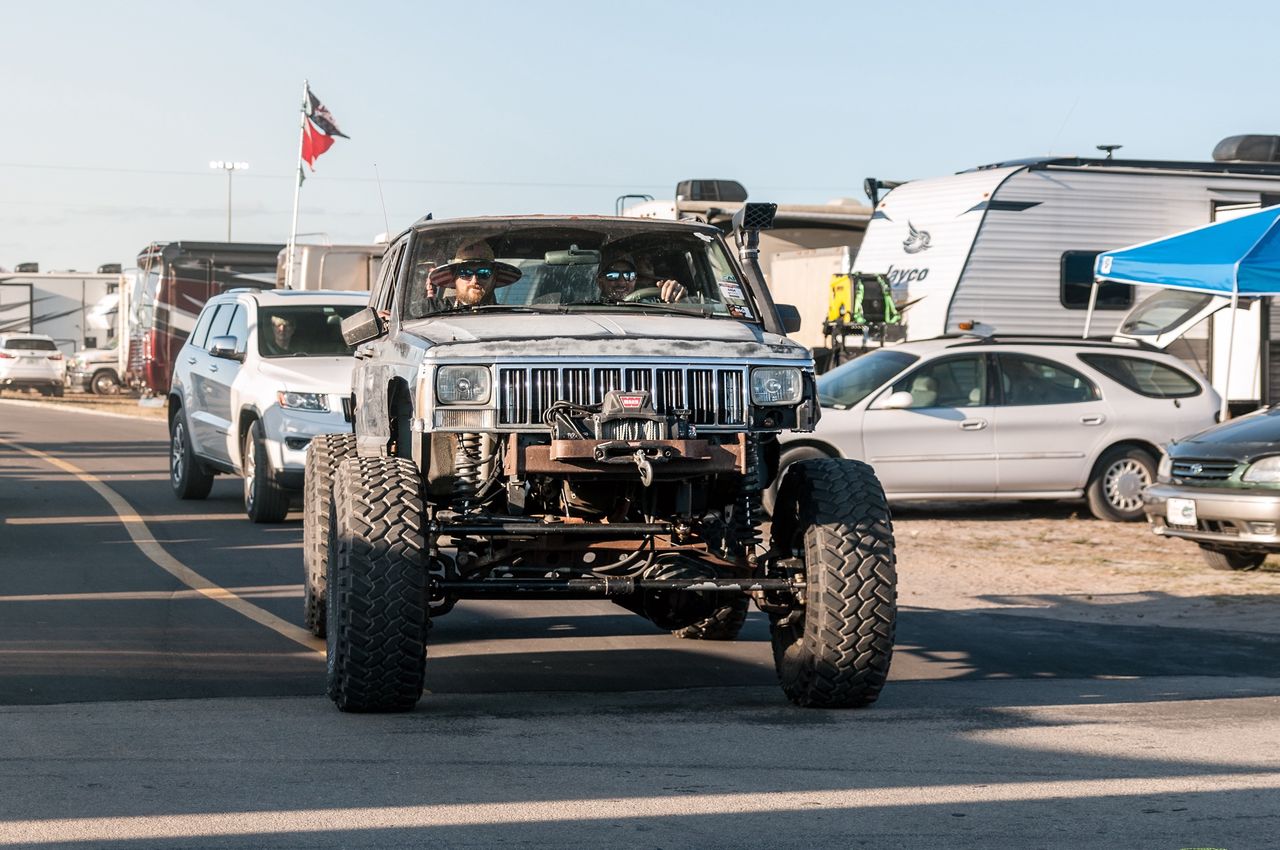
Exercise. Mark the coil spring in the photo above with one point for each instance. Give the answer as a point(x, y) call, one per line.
point(466, 463)
point(748, 510)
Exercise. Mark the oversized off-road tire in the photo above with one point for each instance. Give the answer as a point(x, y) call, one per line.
point(187, 476)
point(324, 453)
point(834, 652)
point(788, 456)
point(724, 624)
point(1229, 559)
point(1115, 489)
point(265, 498)
point(104, 382)
point(376, 591)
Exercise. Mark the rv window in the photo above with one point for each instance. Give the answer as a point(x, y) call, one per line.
point(1144, 377)
point(1077, 281)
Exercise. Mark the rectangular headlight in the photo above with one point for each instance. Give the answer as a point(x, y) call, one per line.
point(303, 401)
point(776, 385)
point(463, 385)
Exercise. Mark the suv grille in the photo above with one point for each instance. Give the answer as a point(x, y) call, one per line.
point(1191, 469)
point(713, 396)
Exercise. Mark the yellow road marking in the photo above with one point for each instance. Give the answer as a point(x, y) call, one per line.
point(85, 520)
point(300, 822)
point(149, 546)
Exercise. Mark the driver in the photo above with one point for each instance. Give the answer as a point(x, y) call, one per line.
point(472, 275)
point(617, 280)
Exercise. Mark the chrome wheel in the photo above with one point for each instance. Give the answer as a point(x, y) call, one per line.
point(1123, 483)
point(177, 453)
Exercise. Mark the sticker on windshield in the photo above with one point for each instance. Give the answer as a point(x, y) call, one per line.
point(738, 311)
point(729, 277)
point(731, 292)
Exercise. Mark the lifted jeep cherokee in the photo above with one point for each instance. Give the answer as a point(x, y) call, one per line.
point(563, 437)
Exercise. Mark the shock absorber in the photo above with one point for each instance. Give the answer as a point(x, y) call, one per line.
point(747, 510)
point(466, 463)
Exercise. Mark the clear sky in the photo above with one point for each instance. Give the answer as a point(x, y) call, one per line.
point(113, 110)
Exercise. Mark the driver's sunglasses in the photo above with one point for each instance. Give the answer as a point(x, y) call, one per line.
point(481, 273)
point(619, 275)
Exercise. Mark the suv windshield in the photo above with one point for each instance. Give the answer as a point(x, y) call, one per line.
point(309, 330)
point(581, 266)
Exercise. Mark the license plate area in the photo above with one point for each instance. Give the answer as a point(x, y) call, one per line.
point(1181, 512)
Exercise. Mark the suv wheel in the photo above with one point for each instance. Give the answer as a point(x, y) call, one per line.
point(1228, 559)
point(724, 624)
point(264, 499)
point(377, 590)
point(323, 455)
point(187, 476)
point(104, 382)
point(1115, 491)
point(834, 652)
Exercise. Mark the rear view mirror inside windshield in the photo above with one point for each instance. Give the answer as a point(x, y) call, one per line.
point(575, 256)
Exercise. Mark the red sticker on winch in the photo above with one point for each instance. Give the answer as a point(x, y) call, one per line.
point(631, 402)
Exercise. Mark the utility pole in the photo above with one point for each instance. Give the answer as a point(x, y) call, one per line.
point(230, 168)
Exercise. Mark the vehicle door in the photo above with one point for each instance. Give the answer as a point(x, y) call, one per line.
point(944, 442)
point(192, 370)
point(1049, 422)
point(221, 377)
point(374, 369)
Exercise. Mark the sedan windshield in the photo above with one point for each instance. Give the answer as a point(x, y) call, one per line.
point(581, 266)
point(849, 384)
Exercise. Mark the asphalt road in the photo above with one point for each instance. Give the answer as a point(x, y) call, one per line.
point(157, 690)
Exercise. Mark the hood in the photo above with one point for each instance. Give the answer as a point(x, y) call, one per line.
point(309, 374)
point(1243, 439)
point(493, 335)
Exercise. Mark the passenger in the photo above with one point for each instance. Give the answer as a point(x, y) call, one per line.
point(472, 275)
point(280, 339)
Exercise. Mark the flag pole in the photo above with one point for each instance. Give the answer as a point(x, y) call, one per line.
point(297, 187)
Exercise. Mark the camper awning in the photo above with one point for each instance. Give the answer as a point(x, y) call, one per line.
point(1236, 257)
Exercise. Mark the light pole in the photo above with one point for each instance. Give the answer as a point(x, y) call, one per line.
point(230, 168)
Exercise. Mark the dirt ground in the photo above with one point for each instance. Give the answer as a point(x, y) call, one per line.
point(1049, 559)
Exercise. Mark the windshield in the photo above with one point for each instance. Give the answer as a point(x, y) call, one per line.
point(30, 345)
point(581, 266)
point(849, 384)
point(1163, 312)
point(309, 330)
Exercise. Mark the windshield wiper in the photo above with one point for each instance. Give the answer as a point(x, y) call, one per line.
point(477, 308)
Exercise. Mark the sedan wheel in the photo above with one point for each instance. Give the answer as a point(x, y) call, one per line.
point(1115, 491)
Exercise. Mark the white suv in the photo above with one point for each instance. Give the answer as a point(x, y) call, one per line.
point(31, 361)
point(259, 376)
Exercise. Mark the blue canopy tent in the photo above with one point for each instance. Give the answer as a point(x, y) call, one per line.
point(1229, 259)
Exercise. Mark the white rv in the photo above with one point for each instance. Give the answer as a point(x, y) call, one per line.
point(63, 305)
point(1009, 248)
point(345, 267)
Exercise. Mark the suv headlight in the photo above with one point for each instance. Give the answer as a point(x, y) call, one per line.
point(776, 385)
point(303, 401)
point(1264, 471)
point(463, 385)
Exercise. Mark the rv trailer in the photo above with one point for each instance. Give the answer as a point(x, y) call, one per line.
point(63, 305)
point(1009, 248)
point(345, 267)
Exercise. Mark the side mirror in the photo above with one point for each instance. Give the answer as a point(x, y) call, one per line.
point(361, 326)
point(789, 316)
point(898, 401)
point(226, 347)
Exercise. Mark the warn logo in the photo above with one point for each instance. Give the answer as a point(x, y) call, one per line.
point(631, 402)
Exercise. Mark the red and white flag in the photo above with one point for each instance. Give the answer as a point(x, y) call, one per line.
point(319, 129)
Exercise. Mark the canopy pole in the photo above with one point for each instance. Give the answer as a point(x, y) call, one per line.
point(1093, 300)
point(1231, 344)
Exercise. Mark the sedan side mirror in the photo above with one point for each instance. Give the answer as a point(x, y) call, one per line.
point(790, 317)
point(898, 401)
point(226, 347)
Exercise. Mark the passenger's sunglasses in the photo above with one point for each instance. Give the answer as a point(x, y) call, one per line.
point(619, 275)
point(482, 273)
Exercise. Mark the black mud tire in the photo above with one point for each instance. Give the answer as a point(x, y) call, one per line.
point(788, 456)
point(187, 476)
point(835, 652)
point(724, 624)
point(1234, 560)
point(324, 453)
point(266, 500)
point(1115, 488)
point(58, 391)
point(377, 590)
point(104, 382)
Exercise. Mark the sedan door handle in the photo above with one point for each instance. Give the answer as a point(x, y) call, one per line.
point(1095, 419)
point(973, 424)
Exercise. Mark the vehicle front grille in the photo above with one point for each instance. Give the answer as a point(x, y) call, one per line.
point(347, 412)
point(1191, 469)
point(714, 397)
